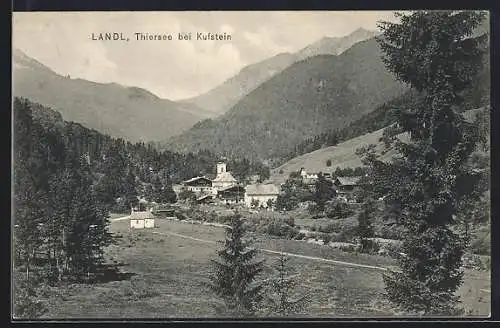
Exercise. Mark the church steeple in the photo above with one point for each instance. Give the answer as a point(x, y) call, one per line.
point(221, 168)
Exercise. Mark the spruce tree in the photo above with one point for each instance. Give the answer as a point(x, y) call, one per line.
point(235, 272)
point(130, 190)
point(434, 53)
point(365, 226)
point(281, 295)
point(323, 192)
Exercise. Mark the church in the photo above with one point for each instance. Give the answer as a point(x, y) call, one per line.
point(224, 179)
point(218, 187)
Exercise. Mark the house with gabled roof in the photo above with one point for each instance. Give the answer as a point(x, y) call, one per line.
point(345, 187)
point(141, 220)
point(199, 184)
point(261, 194)
point(232, 195)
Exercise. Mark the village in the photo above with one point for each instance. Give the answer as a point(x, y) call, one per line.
point(226, 190)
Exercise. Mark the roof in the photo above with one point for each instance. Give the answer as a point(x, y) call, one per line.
point(348, 181)
point(224, 177)
point(204, 197)
point(194, 179)
point(232, 187)
point(262, 189)
point(141, 215)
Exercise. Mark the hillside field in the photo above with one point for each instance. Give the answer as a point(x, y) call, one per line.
point(164, 274)
point(342, 155)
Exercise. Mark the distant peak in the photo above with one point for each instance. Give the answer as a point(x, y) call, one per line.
point(18, 53)
point(363, 31)
point(23, 59)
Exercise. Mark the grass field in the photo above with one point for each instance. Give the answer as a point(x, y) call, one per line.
point(165, 275)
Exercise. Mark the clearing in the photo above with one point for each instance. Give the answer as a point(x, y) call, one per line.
point(164, 274)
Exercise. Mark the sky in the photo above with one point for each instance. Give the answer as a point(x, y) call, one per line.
point(174, 69)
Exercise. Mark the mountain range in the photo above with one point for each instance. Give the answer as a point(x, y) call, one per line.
point(131, 113)
point(220, 99)
point(136, 114)
point(323, 92)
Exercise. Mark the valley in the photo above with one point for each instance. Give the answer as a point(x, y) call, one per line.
point(167, 279)
point(343, 176)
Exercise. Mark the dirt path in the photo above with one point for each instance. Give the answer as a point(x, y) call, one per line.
point(313, 258)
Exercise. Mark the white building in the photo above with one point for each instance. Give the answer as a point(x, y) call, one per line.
point(224, 179)
point(142, 220)
point(198, 185)
point(261, 193)
point(308, 178)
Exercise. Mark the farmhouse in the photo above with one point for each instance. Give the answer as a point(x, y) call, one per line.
point(198, 185)
point(346, 186)
point(142, 220)
point(232, 195)
point(308, 178)
point(205, 199)
point(223, 179)
point(261, 194)
point(163, 212)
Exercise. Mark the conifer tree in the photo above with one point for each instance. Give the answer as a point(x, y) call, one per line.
point(235, 272)
point(323, 191)
point(365, 227)
point(434, 53)
point(282, 302)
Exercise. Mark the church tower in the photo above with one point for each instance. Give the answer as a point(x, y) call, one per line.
point(221, 168)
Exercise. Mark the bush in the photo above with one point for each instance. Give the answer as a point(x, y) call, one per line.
point(290, 221)
point(329, 228)
point(279, 228)
point(338, 210)
point(26, 303)
point(348, 248)
point(326, 238)
point(313, 209)
point(369, 246)
point(347, 234)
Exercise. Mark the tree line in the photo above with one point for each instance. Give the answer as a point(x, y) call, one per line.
point(66, 180)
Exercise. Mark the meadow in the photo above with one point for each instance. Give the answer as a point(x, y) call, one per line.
point(164, 273)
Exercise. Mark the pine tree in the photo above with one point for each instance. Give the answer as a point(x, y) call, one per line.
point(167, 194)
point(282, 289)
point(365, 227)
point(88, 231)
point(235, 272)
point(433, 52)
point(130, 190)
point(323, 191)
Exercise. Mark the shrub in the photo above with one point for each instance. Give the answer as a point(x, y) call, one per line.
point(338, 210)
point(279, 228)
point(290, 221)
point(300, 236)
point(313, 209)
point(326, 238)
point(369, 246)
point(330, 227)
point(347, 248)
point(328, 162)
point(26, 303)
